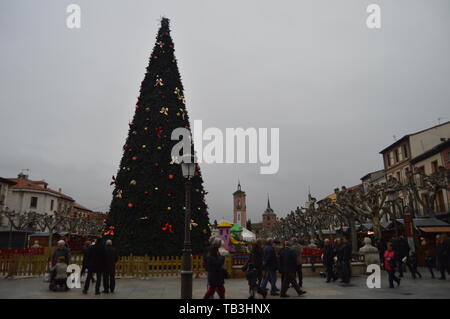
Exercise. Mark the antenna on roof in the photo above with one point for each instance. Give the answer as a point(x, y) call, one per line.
point(395, 137)
point(22, 173)
point(439, 120)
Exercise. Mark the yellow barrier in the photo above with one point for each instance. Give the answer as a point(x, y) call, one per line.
point(131, 266)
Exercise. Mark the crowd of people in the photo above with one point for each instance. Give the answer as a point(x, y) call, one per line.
point(99, 261)
point(267, 260)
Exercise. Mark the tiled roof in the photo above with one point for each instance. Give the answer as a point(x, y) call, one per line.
point(408, 135)
point(40, 186)
point(80, 207)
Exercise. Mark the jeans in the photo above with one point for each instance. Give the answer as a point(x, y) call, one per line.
point(272, 277)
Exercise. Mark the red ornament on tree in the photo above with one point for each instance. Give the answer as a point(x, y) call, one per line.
point(134, 158)
point(130, 205)
point(171, 176)
point(156, 164)
point(159, 131)
point(168, 227)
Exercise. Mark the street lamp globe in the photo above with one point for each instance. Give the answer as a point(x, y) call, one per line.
point(188, 164)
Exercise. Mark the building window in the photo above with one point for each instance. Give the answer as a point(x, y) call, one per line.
point(388, 161)
point(434, 166)
point(396, 155)
point(51, 205)
point(440, 203)
point(399, 177)
point(405, 151)
point(33, 203)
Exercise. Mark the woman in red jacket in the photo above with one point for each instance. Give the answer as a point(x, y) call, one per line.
point(390, 265)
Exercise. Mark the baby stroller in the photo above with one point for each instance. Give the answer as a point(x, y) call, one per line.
point(251, 273)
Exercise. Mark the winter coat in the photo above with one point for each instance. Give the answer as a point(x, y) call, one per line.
point(402, 249)
point(257, 257)
point(328, 255)
point(344, 252)
point(298, 251)
point(111, 259)
point(96, 259)
point(61, 251)
point(60, 270)
point(288, 258)
point(216, 273)
point(389, 260)
point(270, 262)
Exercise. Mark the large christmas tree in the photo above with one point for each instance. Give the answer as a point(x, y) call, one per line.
point(148, 206)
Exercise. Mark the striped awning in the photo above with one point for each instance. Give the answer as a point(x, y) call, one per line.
point(436, 229)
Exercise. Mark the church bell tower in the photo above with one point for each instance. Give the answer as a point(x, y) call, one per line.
point(239, 207)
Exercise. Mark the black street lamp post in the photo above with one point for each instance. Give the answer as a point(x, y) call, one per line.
point(188, 169)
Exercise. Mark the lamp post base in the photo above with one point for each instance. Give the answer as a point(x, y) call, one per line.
point(186, 284)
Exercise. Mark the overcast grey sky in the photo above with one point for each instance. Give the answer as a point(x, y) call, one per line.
point(337, 90)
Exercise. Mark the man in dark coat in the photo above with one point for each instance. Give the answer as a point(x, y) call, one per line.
point(256, 259)
point(288, 258)
point(214, 267)
point(344, 256)
point(87, 246)
point(402, 251)
point(96, 263)
point(109, 276)
point(328, 260)
point(270, 266)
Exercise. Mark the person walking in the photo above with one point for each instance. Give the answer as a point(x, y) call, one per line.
point(412, 262)
point(96, 264)
point(288, 258)
point(328, 260)
point(298, 251)
point(216, 274)
point(109, 276)
point(390, 263)
point(270, 266)
point(256, 258)
point(430, 255)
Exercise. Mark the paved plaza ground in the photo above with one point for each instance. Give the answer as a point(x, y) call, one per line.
point(169, 287)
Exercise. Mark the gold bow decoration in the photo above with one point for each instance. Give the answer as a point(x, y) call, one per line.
point(180, 97)
point(160, 43)
point(164, 110)
point(192, 224)
point(159, 81)
point(119, 193)
point(181, 113)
